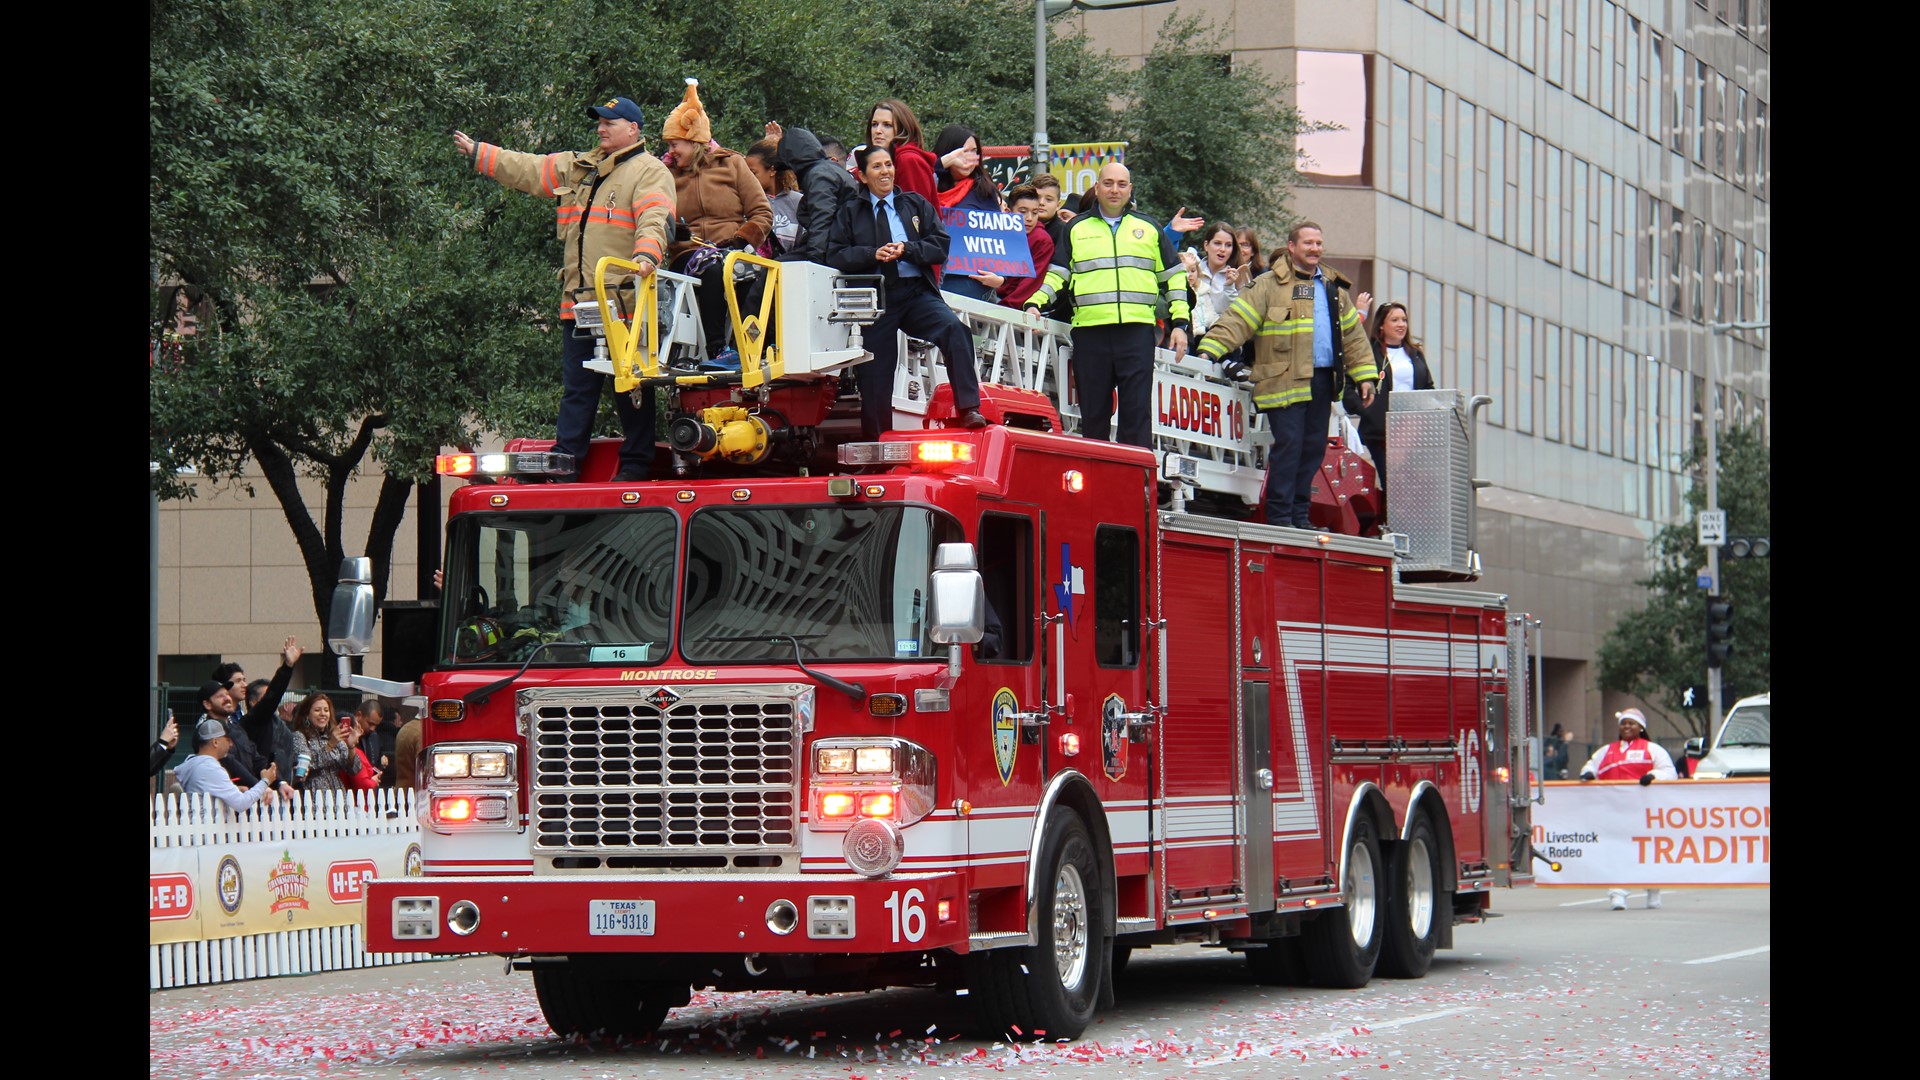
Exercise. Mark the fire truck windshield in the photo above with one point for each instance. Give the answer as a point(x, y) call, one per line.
point(599, 585)
point(850, 582)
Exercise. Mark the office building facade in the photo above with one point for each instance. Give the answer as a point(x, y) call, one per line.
point(1567, 195)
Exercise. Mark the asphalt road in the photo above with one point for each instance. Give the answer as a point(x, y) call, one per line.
point(1559, 987)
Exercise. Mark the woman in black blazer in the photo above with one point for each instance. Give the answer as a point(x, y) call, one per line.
point(1403, 366)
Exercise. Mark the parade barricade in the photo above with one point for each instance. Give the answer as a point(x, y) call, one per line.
point(1693, 833)
point(275, 890)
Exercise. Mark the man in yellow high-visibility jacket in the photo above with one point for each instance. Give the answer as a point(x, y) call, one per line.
point(1119, 263)
point(1303, 326)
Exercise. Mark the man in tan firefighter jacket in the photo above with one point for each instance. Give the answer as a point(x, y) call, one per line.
point(614, 200)
point(1119, 263)
point(1303, 325)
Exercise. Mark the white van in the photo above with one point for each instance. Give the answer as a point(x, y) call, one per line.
point(1740, 746)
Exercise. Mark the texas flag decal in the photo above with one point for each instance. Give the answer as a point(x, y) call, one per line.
point(1072, 583)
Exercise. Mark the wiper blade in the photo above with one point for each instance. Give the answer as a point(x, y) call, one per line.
point(856, 691)
point(480, 696)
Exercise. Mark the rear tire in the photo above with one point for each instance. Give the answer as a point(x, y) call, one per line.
point(1051, 987)
point(1415, 904)
point(1343, 946)
point(577, 1003)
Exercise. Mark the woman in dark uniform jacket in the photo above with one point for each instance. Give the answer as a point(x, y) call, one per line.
point(1403, 366)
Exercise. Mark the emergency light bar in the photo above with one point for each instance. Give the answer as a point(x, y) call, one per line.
point(521, 463)
point(922, 454)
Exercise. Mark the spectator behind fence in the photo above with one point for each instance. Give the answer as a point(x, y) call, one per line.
point(202, 774)
point(280, 735)
point(256, 740)
point(615, 200)
point(1555, 753)
point(373, 743)
point(163, 746)
point(1013, 292)
point(328, 743)
point(723, 205)
point(824, 186)
point(406, 753)
point(964, 185)
point(252, 734)
point(389, 731)
point(892, 126)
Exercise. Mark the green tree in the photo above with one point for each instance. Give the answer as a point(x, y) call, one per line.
point(365, 304)
point(1208, 134)
point(1657, 651)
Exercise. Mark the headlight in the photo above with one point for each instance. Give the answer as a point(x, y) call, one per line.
point(492, 764)
point(450, 765)
point(869, 778)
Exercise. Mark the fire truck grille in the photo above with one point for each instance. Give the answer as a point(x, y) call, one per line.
point(625, 777)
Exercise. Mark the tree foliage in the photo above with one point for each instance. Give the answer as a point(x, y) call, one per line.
point(372, 300)
point(1207, 138)
point(363, 305)
point(1657, 651)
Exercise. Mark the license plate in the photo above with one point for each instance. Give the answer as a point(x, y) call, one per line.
point(620, 917)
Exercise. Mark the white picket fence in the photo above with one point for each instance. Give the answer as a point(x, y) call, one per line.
point(181, 820)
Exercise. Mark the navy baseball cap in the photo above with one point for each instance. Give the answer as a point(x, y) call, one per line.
point(617, 109)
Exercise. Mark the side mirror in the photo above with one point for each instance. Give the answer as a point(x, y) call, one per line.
point(1696, 747)
point(350, 623)
point(957, 600)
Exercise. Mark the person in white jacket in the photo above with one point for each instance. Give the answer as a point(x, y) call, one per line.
point(202, 774)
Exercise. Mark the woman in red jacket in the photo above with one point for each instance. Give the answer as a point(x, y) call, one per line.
point(891, 124)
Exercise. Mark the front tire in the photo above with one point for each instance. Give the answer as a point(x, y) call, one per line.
point(1051, 987)
point(579, 1003)
point(1415, 904)
point(1343, 946)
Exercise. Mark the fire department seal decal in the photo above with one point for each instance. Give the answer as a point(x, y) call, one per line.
point(1113, 737)
point(413, 861)
point(227, 884)
point(1006, 733)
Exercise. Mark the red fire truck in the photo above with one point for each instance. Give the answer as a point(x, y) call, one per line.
point(977, 709)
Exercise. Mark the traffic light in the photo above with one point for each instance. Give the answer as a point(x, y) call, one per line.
point(1746, 547)
point(1719, 630)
